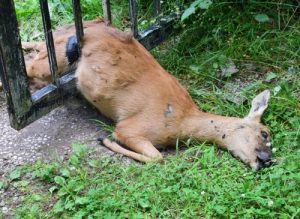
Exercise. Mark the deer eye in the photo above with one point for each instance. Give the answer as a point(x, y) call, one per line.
point(264, 134)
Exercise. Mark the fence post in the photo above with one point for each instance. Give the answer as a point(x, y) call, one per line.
point(49, 40)
point(12, 65)
point(156, 7)
point(106, 11)
point(78, 23)
point(133, 17)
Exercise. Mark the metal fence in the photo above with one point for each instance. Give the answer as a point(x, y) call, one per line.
point(24, 107)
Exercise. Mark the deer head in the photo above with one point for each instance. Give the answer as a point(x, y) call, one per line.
point(249, 140)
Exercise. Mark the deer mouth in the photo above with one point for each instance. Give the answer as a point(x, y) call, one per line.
point(264, 157)
point(264, 163)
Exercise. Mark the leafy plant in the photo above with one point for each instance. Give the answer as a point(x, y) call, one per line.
point(262, 18)
point(16, 174)
point(198, 4)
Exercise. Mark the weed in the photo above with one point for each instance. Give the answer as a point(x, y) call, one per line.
point(106, 126)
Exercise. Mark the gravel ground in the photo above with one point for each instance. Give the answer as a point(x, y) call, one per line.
point(47, 138)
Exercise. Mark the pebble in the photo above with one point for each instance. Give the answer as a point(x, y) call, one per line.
point(4, 210)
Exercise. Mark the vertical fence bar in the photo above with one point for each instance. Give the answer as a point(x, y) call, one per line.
point(49, 41)
point(106, 11)
point(180, 5)
point(78, 23)
point(133, 17)
point(156, 7)
point(12, 65)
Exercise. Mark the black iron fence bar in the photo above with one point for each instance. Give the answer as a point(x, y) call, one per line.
point(49, 41)
point(133, 17)
point(106, 11)
point(78, 22)
point(12, 65)
point(156, 7)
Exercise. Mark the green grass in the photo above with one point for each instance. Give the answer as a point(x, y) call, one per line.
point(194, 183)
point(61, 13)
point(198, 181)
point(30, 20)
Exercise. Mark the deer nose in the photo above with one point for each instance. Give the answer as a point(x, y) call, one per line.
point(264, 156)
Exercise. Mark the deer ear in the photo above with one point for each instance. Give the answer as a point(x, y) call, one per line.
point(259, 105)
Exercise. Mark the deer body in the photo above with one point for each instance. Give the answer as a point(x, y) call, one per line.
point(122, 80)
point(127, 84)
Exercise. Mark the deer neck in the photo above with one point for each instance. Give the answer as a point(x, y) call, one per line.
point(207, 127)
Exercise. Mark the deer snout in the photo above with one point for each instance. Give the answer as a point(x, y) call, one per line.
point(264, 157)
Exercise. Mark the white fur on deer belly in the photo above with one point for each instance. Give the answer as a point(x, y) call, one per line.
point(93, 90)
point(104, 105)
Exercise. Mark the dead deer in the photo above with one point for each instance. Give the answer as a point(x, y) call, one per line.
point(124, 82)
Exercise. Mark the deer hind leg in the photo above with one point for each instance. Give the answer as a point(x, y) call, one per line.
point(33, 45)
point(142, 149)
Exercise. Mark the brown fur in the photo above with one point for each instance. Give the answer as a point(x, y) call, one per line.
point(122, 79)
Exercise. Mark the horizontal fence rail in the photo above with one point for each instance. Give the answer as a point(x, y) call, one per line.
point(25, 108)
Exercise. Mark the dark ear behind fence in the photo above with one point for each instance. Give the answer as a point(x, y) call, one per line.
point(72, 50)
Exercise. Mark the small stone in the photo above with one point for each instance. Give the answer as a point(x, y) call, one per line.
point(291, 70)
point(270, 203)
point(5, 210)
